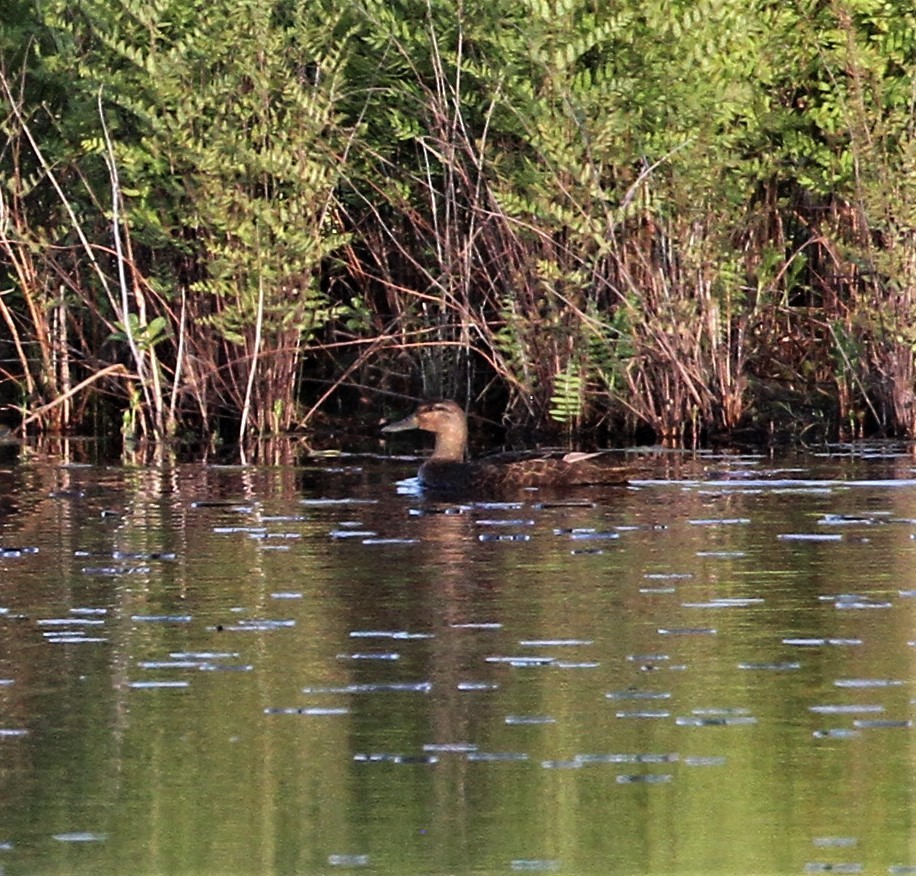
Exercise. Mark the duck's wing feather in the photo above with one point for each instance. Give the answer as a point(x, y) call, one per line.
point(569, 470)
point(513, 471)
point(509, 457)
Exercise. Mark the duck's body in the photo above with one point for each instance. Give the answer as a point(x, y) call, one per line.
point(448, 470)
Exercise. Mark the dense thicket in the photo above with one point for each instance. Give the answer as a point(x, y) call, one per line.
point(688, 215)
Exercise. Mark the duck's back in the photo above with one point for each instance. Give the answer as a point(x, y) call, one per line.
point(518, 472)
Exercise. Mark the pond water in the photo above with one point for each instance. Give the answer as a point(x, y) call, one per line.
point(296, 669)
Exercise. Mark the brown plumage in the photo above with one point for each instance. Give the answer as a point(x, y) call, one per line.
point(448, 470)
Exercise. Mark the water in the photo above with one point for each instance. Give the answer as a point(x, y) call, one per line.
point(216, 670)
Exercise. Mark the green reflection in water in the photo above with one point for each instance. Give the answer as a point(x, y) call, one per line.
point(204, 674)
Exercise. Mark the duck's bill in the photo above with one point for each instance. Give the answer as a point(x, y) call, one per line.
point(402, 425)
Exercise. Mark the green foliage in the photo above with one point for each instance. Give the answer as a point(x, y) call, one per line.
point(144, 336)
point(566, 400)
point(226, 136)
point(612, 205)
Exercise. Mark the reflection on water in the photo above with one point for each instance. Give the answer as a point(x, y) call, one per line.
point(211, 670)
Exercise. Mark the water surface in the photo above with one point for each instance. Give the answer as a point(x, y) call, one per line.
point(215, 670)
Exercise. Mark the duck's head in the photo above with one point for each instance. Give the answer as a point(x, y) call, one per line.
point(446, 420)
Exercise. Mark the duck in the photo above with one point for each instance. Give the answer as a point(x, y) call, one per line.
point(448, 469)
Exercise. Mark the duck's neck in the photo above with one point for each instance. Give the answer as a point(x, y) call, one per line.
point(451, 444)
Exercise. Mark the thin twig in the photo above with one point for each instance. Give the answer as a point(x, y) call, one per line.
point(116, 368)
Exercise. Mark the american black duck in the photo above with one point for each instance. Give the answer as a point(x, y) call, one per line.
point(448, 469)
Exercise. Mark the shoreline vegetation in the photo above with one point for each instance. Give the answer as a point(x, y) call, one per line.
point(681, 220)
